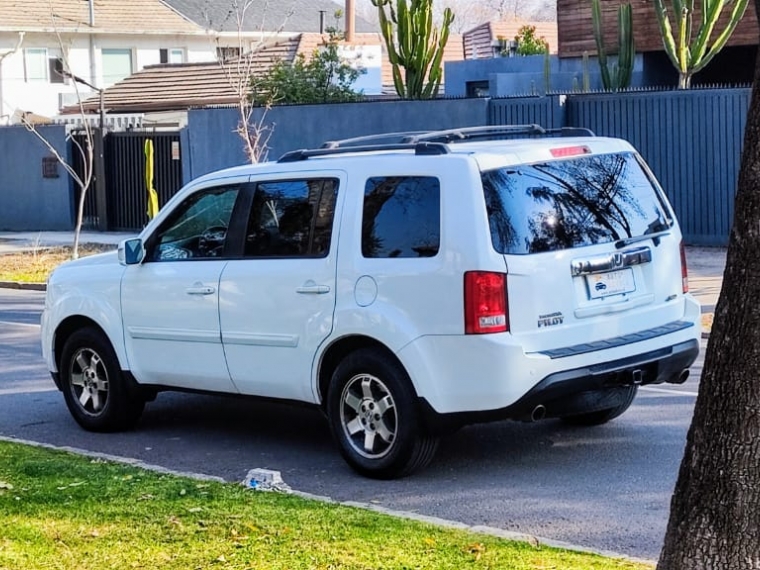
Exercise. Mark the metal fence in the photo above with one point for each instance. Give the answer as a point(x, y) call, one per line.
point(691, 139)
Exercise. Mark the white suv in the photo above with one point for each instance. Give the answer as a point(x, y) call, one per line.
point(407, 284)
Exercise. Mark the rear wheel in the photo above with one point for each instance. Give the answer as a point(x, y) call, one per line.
point(374, 419)
point(96, 392)
point(598, 417)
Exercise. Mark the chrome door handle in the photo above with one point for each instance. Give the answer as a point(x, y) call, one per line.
point(313, 289)
point(200, 290)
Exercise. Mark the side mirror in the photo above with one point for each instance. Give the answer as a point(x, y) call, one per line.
point(131, 251)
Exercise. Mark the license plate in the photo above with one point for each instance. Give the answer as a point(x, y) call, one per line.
point(610, 283)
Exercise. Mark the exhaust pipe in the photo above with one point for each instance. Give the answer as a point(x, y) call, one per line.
point(538, 413)
point(681, 378)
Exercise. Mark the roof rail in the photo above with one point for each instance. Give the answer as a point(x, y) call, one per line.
point(370, 138)
point(571, 132)
point(421, 148)
point(428, 142)
point(470, 133)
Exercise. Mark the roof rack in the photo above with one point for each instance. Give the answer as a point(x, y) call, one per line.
point(421, 148)
point(428, 142)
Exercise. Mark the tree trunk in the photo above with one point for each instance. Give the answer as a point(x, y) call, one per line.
point(684, 80)
point(715, 510)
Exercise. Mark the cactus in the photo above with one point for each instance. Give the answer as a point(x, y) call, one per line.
point(619, 77)
point(547, 73)
point(687, 55)
point(415, 45)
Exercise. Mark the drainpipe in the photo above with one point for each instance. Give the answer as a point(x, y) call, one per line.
point(350, 20)
point(321, 21)
point(93, 68)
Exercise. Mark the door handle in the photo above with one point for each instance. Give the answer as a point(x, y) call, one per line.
point(200, 290)
point(313, 289)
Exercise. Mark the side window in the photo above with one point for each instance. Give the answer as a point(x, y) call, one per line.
point(402, 217)
point(197, 228)
point(291, 218)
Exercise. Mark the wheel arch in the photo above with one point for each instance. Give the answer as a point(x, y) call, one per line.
point(339, 349)
point(71, 324)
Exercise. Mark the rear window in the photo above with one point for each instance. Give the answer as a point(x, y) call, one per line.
point(572, 203)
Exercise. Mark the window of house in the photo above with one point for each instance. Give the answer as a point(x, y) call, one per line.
point(197, 228)
point(291, 218)
point(174, 55)
point(56, 68)
point(402, 217)
point(117, 65)
point(36, 64)
point(227, 53)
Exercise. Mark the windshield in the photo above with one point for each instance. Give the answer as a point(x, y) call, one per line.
point(572, 203)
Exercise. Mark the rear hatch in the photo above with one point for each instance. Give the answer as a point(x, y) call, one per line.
point(592, 249)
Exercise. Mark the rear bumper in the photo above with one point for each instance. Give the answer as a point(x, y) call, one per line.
point(582, 389)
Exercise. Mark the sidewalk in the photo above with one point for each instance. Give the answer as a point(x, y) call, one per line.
point(706, 264)
point(23, 241)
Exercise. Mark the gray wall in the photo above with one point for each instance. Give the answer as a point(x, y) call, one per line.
point(210, 142)
point(29, 202)
point(510, 76)
point(691, 139)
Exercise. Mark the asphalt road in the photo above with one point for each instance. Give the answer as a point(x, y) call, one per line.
point(606, 487)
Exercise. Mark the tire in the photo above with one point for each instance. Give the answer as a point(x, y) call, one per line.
point(600, 417)
point(373, 415)
point(97, 394)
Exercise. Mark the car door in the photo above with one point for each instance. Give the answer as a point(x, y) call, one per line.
point(170, 302)
point(277, 302)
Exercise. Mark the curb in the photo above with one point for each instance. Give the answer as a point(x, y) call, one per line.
point(534, 541)
point(23, 286)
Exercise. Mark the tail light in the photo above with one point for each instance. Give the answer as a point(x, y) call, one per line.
point(684, 270)
point(485, 302)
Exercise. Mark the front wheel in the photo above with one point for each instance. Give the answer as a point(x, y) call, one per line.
point(96, 392)
point(374, 419)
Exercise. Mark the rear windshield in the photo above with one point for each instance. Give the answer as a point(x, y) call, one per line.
point(572, 203)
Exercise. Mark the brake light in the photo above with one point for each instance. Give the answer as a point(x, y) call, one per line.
point(485, 302)
point(569, 151)
point(684, 270)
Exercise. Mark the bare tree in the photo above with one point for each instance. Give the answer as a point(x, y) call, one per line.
point(469, 13)
point(84, 149)
point(239, 67)
point(715, 510)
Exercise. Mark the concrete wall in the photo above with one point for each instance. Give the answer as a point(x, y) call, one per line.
point(509, 76)
point(29, 202)
point(209, 142)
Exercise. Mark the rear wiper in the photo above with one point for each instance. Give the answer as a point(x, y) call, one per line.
point(655, 236)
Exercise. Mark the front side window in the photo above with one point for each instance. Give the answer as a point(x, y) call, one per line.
point(291, 218)
point(572, 203)
point(402, 217)
point(197, 228)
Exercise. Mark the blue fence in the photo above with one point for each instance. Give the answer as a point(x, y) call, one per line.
point(30, 198)
point(691, 139)
point(210, 142)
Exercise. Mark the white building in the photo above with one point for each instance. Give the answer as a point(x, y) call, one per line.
point(104, 41)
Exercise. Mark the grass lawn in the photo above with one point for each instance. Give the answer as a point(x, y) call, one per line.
point(35, 265)
point(64, 511)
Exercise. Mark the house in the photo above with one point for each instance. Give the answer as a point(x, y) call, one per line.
point(734, 64)
point(100, 42)
point(166, 88)
point(104, 41)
